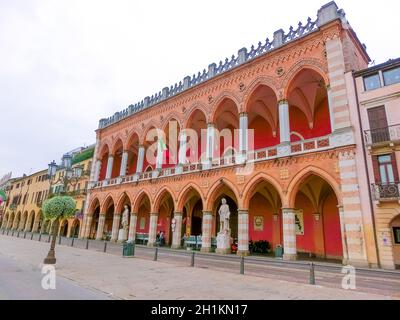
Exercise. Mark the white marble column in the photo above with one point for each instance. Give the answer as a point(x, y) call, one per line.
point(152, 229)
point(206, 230)
point(284, 121)
point(97, 170)
point(132, 228)
point(124, 164)
point(289, 234)
point(177, 234)
point(182, 148)
point(243, 133)
point(115, 227)
point(110, 163)
point(140, 161)
point(210, 142)
point(243, 233)
point(159, 157)
point(100, 226)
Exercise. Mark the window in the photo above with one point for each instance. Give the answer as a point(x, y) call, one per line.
point(17, 186)
point(396, 235)
point(372, 82)
point(391, 76)
point(386, 169)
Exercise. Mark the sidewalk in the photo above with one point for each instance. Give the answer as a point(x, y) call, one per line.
point(142, 279)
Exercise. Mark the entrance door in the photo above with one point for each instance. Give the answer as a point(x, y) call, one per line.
point(378, 125)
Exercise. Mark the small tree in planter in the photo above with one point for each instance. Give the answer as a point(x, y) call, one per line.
point(55, 209)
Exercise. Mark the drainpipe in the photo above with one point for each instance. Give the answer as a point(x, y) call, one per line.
point(366, 172)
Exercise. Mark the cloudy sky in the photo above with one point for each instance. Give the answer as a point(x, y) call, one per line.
point(64, 64)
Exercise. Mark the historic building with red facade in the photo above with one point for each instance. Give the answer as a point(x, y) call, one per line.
point(269, 130)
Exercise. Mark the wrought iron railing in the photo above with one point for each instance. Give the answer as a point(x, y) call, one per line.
point(386, 191)
point(382, 135)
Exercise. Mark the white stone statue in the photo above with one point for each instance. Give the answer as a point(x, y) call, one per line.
point(125, 218)
point(124, 230)
point(224, 216)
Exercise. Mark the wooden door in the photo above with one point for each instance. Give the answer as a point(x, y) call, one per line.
point(378, 125)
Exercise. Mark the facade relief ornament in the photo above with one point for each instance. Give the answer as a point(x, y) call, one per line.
point(280, 72)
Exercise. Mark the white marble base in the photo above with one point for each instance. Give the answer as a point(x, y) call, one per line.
point(122, 235)
point(224, 242)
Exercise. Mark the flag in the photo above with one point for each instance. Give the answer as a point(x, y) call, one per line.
point(163, 146)
point(3, 196)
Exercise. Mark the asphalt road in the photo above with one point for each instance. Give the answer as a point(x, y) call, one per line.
point(23, 282)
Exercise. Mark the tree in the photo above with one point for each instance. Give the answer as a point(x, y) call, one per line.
point(55, 209)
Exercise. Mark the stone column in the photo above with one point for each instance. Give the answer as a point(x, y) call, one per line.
point(124, 163)
point(110, 163)
point(182, 148)
point(289, 234)
point(243, 133)
point(206, 237)
point(177, 234)
point(243, 233)
point(36, 224)
point(159, 157)
point(97, 170)
point(140, 161)
point(210, 141)
point(284, 121)
point(115, 226)
point(132, 228)
point(100, 226)
point(87, 226)
point(152, 229)
point(343, 235)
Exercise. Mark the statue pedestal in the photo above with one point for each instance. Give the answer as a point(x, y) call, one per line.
point(122, 235)
point(224, 243)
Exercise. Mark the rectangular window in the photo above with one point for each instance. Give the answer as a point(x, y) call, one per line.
point(391, 76)
point(396, 234)
point(386, 169)
point(372, 82)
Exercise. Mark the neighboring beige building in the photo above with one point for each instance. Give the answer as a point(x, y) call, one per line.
point(26, 195)
point(378, 91)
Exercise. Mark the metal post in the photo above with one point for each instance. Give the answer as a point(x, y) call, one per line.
point(12, 234)
point(156, 254)
point(18, 234)
point(8, 231)
point(105, 246)
point(87, 244)
point(32, 236)
point(48, 240)
point(192, 262)
point(59, 240)
point(25, 235)
point(241, 265)
point(72, 242)
point(312, 274)
point(40, 237)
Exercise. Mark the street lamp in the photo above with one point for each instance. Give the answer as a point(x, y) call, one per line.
point(52, 169)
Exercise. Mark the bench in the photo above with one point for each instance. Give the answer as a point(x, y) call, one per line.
point(196, 242)
point(142, 238)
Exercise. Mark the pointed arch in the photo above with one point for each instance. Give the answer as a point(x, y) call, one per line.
point(138, 200)
point(182, 197)
point(94, 203)
point(214, 191)
point(299, 178)
point(106, 203)
point(224, 97)
point(121, 202)
point(196, 106)
point(161, 196)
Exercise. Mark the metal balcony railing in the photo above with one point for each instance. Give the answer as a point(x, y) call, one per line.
point(382, 135)
point(386, 191)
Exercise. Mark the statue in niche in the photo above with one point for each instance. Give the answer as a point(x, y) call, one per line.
point(224, 216)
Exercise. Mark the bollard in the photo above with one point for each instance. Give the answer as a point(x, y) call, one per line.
point(105, 246)
point(59, 240)
point(25, 235)
point(32, 236)
point(40, 237)
point(12, 234)
point(156, 254)
point(241, 265)
point(312, 274)
point(192, 262)
point(18, 234)
point(48, 240)
point(87, 244)
point(72, 242)
point(8, 231)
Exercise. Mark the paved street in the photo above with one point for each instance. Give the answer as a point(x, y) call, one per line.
point(22, 281)
point(90, 274)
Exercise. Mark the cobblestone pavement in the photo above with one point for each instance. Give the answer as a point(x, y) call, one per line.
point(138, 278)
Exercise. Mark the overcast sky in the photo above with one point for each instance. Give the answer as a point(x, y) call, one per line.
point(64, 64)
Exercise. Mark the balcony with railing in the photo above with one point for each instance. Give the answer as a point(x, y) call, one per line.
point(252, 157)
point(386, 192)
point(383, 136)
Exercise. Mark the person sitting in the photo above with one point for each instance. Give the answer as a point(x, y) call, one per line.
point(162, 238)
